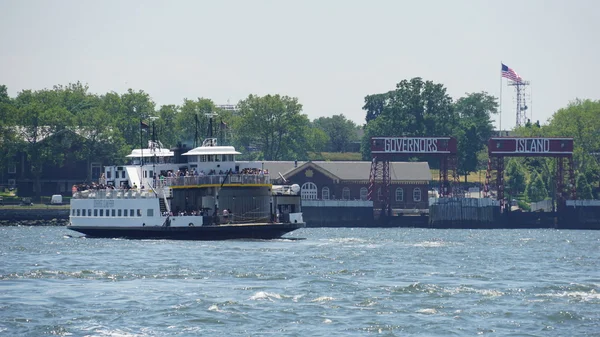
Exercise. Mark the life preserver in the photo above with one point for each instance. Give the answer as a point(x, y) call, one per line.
point(191, 224)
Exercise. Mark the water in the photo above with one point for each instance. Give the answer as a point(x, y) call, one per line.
point(341, 282)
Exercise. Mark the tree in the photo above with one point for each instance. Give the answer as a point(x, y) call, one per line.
point(580, 120)
point(536, 191)
point(274, 125)
point(192, 121)
point(584, 190)
point(134, 107)
point(414, 108)
point(341, 131)
point(7, 128)
point(103, 140)
point(166, 130)
point(41, 116)
point(474, 128)
point(515, 177)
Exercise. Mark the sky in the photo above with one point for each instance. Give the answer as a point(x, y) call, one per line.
point(329, 54)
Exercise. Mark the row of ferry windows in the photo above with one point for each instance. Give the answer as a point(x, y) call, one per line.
point(111, 212)
point(118, 174)
point(214, 157)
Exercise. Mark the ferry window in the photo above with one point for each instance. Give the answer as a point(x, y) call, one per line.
point(112, 212)
point(346, 193)
point(95, 212)
point(78, 212)
point(108, 212)
point(123, 174)
point(399, 194)
point(101, 212)
point(131, 212)
point(364, 192)
point(417, 194)
point(119, 212)
point(203, 158)
point(139, 212)
point(73, 211)
point(150, 212)
point(325, 193)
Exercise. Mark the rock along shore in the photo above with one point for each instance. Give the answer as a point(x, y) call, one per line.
point(34, 217)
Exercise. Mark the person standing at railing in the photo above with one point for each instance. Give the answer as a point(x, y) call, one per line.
point(226, 215)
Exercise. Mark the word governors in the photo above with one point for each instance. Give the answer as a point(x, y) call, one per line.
point(413, 145)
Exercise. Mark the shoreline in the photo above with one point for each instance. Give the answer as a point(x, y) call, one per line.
point(34, 216)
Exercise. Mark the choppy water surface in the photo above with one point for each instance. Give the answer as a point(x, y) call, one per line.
point(343, 282)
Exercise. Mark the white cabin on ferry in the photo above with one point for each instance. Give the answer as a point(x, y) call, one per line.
point(207, 159)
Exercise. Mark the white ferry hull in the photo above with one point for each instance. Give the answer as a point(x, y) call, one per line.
point(140, 218)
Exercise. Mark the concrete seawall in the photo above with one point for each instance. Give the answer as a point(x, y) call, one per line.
point(34, 217)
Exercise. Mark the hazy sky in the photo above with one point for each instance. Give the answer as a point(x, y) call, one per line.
point(329, 54)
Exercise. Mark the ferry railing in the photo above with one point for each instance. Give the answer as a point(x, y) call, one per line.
point(242, 179)
point(116, 194)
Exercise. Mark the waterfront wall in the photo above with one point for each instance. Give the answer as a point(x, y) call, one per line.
point(34, 217)
point(338, 213)
point(453, 212)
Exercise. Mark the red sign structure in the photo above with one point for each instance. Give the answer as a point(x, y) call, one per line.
point(530, 147)
point(384, 149)
point(559, 148)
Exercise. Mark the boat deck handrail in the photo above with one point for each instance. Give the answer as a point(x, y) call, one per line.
point(115, 194)
point(242, 179)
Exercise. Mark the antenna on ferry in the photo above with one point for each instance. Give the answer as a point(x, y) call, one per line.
point(210, 116)
point(196, 130)
point(153, 148)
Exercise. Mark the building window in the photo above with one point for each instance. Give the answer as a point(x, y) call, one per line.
point(325, 193)
point(399, 194)
point(417, 194)
point(346, 193)
point(309, 191)
point(12, 182)
point(12, 168)
point(379, 194)
point(364, 193)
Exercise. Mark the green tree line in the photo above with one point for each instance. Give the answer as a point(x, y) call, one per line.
point(274, 127)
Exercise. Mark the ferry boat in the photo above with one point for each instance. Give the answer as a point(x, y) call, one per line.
point(201, 193)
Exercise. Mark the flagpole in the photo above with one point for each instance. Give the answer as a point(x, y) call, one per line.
point(500, 113)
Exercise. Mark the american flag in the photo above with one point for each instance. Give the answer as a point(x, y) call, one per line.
point(510, 74)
